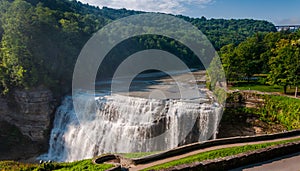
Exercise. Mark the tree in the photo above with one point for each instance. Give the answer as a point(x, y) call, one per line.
point(215, 72)
point(249, 53)
point(229, 62)
point(269, 41)
point(216, 80)
point(40, 40)
point(16, 58)
point(294, 65)
point(285, 66)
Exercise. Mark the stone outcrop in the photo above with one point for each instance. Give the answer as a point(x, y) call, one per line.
point(249, 99)
point(30, 111)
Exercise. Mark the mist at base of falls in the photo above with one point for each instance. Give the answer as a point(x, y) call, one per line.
point(122, 124)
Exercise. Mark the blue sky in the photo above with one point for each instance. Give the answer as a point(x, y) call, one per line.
point(280, 12)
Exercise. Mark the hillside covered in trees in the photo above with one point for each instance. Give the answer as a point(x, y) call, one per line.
point(41, 39)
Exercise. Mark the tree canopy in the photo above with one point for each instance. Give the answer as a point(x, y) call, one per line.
point(285, 64)
point(274, 54)
point(41, 39)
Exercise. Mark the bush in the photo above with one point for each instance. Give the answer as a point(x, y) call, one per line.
point(281, 109)
point(275, 109)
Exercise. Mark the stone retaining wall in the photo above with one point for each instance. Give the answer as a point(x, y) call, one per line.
point(110, 158)
point(211, 143)
point(243, 159)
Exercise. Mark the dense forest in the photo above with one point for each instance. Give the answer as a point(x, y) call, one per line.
point(41, 40)
point(222, 32)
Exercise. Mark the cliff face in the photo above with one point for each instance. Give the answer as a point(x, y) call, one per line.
point(30, 111)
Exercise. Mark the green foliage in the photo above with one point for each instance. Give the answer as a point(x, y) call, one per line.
point(244, 60)
point(274, 54)
point(40, 45)
point(275, 109)
point(79, 165)
point(12, 165)
point(229, 62)
point(280, 109)
point(216, 81)
point(269, 43)
point(222, 32)
point(217, 154)
point(15, 56)
point(215, 73)
point(41, 39)
point(83, 165)
point(262, 80)
point(248, 55)
point(285, 65)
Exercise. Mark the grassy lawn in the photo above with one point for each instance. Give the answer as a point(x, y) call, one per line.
point(263, 88)
point(138, 154)
point(217, 154)
point(260, 87)
point(79, 165)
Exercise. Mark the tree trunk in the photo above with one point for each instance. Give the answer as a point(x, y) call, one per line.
point(284, 89)
point(296, 91)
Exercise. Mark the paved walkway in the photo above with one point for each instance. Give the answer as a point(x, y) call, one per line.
point(143, 166)
point(288, 163)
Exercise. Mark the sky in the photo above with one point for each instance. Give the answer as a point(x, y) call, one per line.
point(279, 12)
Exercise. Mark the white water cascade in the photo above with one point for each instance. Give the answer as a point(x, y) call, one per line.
point(116, 123)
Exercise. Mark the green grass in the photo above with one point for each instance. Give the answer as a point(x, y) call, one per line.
point(217, 154)
point(137, 155)
point(261, 87)
point(257, 87)
point(78, 165)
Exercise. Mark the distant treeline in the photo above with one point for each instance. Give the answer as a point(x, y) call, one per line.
point(41, 39)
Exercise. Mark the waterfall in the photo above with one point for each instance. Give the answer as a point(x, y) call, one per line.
point(121, 124)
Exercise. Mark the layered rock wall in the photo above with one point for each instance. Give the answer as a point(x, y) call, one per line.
point(30, 111)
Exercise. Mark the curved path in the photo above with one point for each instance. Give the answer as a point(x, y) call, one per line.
point(289, 162)
point(144, 166)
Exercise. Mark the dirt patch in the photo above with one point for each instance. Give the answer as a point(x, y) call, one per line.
point(247, 126)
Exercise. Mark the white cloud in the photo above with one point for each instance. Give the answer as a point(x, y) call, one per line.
point(165, 6)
